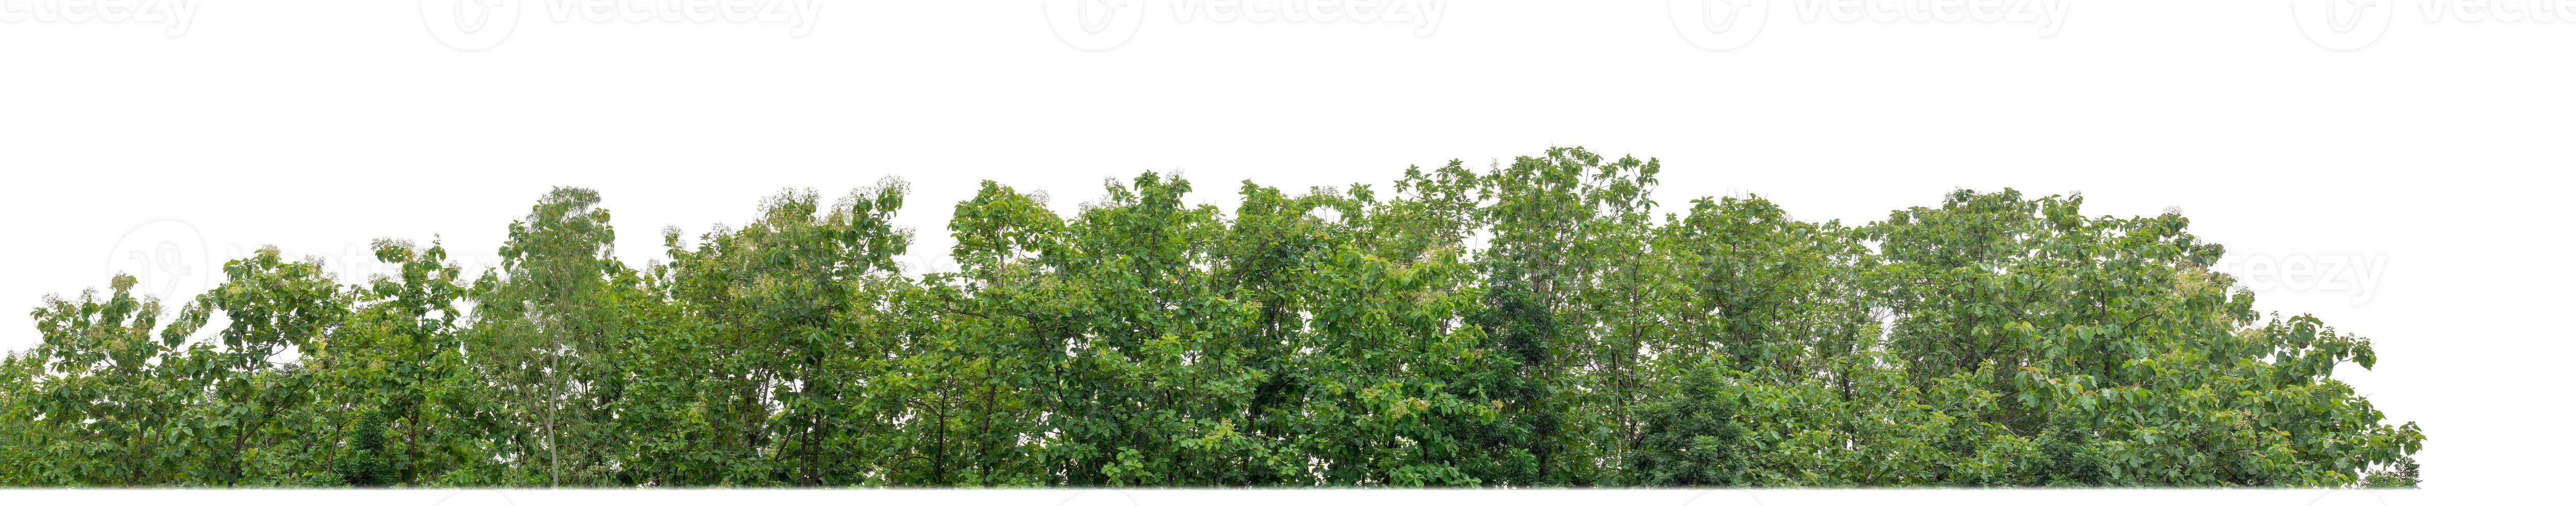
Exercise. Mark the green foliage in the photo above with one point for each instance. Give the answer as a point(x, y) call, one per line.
point(1690, 437)
point(1536, 324)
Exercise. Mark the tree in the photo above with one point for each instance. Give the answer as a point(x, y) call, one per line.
point(546, 317)
point(1533, 324)
point(1690, 437)
point(101, 409)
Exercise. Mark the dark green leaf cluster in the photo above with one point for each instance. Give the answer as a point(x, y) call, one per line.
point(1536, 324)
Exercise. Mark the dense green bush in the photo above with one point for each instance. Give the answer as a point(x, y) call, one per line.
point(1358, 337)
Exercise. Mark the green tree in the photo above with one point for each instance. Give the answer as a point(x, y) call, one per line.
point(114, 388)
point(1534, 324)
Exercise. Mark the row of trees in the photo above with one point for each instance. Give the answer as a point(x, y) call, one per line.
point(1329, 338)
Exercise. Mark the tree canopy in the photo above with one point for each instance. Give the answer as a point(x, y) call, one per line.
point(1540, 323)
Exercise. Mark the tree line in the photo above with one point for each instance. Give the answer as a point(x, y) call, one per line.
point(1532, 324)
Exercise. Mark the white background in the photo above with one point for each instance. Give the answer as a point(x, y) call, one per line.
point(2430, 152)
